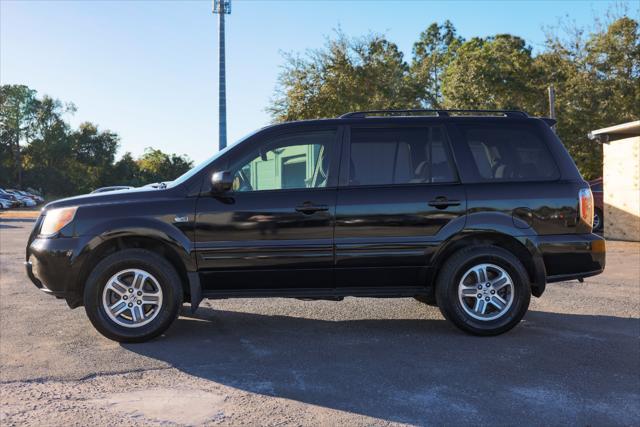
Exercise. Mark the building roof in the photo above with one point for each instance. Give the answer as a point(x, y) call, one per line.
point(612, 133)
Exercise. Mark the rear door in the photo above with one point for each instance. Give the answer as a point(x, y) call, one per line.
point(399, 198)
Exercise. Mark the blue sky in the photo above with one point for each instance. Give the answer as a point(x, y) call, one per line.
point(147, 69)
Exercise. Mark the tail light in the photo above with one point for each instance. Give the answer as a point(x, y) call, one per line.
point(585, 209)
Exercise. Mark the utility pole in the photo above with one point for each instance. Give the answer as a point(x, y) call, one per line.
point(552, 104)
point(221, 8)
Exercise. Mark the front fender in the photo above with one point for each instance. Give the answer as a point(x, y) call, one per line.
point(148, 228)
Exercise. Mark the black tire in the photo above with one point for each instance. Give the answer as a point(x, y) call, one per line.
point(452, 272)
point(598, 220)
point(164, 273)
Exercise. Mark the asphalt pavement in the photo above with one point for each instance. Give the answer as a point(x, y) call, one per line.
point(574, 359)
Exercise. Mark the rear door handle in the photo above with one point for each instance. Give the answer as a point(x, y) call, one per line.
point(308, 208)
point(443, 203)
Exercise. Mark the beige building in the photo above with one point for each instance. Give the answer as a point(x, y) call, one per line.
point(621, 177)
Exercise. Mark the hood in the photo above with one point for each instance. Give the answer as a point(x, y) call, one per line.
point(116, 196)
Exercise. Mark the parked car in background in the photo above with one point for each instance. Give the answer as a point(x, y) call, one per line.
point(26, 201)
point(6, 195)
point(111, 188)
point(36, 194)
point(36, 197)
point(7, 203)
point(22, 193)
point(472, 211)
point(597, 187)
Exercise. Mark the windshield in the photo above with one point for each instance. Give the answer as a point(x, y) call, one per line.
point(184, 177)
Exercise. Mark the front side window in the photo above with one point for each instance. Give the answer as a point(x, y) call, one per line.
point(509, 153)
point(286, 162)
point(399, 156)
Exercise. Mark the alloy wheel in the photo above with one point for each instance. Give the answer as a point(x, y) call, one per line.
point(132, 298)
point(486, 292)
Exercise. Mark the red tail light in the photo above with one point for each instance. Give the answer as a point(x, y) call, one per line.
point(586, 206)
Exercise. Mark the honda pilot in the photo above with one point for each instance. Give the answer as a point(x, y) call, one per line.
point(472, 211)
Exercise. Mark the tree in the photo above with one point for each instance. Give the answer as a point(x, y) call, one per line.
point(17, 111)
point(126, 171)
point(596, 74)
point(432, 54)
point(94, 153)
point(597, 80)
point(345, 75)
point(493, 73)
point(39, 149)
point(156, 166)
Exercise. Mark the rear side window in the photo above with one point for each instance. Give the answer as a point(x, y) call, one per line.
point(399, 156)
point(509, 153)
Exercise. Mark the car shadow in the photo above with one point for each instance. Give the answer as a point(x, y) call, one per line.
point(417, 371)
point(8, 226)
point(2, 219)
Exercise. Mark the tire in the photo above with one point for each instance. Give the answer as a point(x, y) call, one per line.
point(598, 220)
point(161, 288)
point(496, 261)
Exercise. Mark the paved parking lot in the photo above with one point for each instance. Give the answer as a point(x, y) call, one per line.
point(575, 359)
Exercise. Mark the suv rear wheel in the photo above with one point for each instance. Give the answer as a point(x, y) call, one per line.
point(132, 295)
point(483, 290)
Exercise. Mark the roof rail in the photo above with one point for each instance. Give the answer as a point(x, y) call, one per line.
point(439, 113)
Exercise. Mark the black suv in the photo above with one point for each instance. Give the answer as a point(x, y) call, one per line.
point(471, 210)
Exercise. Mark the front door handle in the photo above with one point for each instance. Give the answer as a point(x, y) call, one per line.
point(442, 202)
point(309, 208)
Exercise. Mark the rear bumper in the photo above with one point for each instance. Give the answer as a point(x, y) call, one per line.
point(570, 257)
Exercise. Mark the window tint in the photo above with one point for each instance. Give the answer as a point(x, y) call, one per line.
point(399, 156)
point(292, 161)
point(507, 153)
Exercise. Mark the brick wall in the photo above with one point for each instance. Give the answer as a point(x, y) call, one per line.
point(621, 173)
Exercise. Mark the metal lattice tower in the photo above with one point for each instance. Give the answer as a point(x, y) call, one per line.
point(222, 8)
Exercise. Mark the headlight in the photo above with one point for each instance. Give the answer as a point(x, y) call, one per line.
point(55, 219)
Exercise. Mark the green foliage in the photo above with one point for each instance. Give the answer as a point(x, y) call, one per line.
point(496, 72)
point(346, 75)
point(38, 149)
point(156, 166)
point(596, 76)
point(432, 54)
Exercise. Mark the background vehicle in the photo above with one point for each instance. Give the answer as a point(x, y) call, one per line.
point(36, 198)
point(25, 200)
point(597, 187)
point(28, 195)
point(474, 211)
point(6, 203)
point(6, 195)
point(111, 188)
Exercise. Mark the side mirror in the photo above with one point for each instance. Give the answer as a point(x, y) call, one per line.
point(221, 182)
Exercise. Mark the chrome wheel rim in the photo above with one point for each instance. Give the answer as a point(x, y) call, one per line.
point(596, 221)
point(485, 292)
point(132, 298)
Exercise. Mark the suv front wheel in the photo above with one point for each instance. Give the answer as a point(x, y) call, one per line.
point(483, 290)
point(132, 295)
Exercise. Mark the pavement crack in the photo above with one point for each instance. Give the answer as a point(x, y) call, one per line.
point(91, 376)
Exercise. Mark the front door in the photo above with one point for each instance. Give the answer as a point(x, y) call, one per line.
point(398, 199)
point(274, 230)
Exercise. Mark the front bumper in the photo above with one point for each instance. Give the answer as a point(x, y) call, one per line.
point(52, 267)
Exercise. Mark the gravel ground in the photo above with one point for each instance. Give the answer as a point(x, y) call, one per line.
point(574, 359)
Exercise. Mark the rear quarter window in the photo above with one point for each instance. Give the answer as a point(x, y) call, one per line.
point(508, 153)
